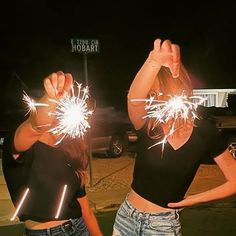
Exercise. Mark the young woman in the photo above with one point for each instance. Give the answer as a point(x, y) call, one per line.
point(162, 176)
point(47, 181)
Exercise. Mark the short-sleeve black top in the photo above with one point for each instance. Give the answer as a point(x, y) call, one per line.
point(47, 172)
point(164, 177)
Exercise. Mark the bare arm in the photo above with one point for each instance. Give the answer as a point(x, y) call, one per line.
point(165, 54)
point(227, 164)
point(39, 122)
point(89, 217)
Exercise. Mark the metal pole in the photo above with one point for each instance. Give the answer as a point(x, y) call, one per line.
point(89, 136)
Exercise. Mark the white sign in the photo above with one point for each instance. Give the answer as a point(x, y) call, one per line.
point(85, 45)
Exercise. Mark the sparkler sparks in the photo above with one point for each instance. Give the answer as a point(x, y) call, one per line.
point(176, 107)
point(31, 104)
point(72, 112)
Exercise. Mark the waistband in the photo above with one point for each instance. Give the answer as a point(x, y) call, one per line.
point(64, 227)
point(135, 213)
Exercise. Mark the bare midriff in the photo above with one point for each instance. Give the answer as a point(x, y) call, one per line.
point(30, 224)
point(144, 205)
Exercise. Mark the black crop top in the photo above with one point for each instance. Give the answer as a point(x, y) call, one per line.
point(165, 178)
point(47, 173)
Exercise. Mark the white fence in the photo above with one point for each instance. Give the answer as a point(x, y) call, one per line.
point(214, 97)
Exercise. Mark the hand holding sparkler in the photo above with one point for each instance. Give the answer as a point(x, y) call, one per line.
point(63, 110)
point(56, 85)
point(148, 78)
point(167, 54)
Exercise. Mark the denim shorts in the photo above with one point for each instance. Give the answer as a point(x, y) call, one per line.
point(132, 222)
point(72, 227)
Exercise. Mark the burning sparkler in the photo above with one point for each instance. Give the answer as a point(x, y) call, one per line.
point(31, 104)
point(176, 107)
point(72, 112)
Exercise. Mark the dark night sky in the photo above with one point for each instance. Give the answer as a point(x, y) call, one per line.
point(36, 42)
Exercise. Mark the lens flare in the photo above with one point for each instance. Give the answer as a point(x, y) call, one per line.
point(20, 204)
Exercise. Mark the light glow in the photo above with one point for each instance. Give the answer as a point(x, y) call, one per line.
point(20, 204)
point(72, 112)
point(31, 104)
point(61, 201)
point(163, 111)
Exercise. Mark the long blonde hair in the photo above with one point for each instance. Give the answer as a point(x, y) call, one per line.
point(182, 83)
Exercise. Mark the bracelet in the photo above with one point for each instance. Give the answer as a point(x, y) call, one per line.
point(39, 128)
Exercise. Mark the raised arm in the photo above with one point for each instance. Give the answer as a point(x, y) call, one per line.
point(40, 122)
point(165, 54)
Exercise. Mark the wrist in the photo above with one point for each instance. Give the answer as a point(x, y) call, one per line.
point(40, 129)
point(153, 61)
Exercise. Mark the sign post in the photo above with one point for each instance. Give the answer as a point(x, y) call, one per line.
point(86, 46)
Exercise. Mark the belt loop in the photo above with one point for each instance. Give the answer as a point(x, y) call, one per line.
point(63, 228)
point(49, 232)
point(132, 210)
point(177, 214)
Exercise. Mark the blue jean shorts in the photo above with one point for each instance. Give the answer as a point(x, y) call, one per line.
point(132, 222)
point(72, 227)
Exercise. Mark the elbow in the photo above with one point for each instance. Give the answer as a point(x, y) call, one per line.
point(233, 183)
point(231, 187)
point(87, 213)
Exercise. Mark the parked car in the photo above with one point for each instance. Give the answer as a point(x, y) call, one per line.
point(111, 132)
point(225, 120)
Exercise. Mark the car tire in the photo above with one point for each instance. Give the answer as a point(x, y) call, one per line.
point(232, 149)
point(116, 147)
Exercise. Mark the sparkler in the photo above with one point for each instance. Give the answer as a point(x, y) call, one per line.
point(176, 107)
point(31, 104)
point(71, 112)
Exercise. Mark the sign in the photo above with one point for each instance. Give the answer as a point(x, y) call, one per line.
point(85, 45)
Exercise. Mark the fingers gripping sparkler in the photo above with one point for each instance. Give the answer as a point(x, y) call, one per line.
point(176, 107)
point(72, 112)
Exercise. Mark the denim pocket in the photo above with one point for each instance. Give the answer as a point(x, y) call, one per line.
point(165, 226)
point(160, 225)
point(79, 227)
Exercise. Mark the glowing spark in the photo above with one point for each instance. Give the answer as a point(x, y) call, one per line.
point(176, 107)
point(20, 204)
point(61, 201)
point(72, 114)
point(31, 104)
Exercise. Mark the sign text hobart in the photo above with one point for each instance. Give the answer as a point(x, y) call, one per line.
point(85, 45)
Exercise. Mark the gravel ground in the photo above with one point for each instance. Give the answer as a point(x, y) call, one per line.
point(111, 174)
point(115, 174)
